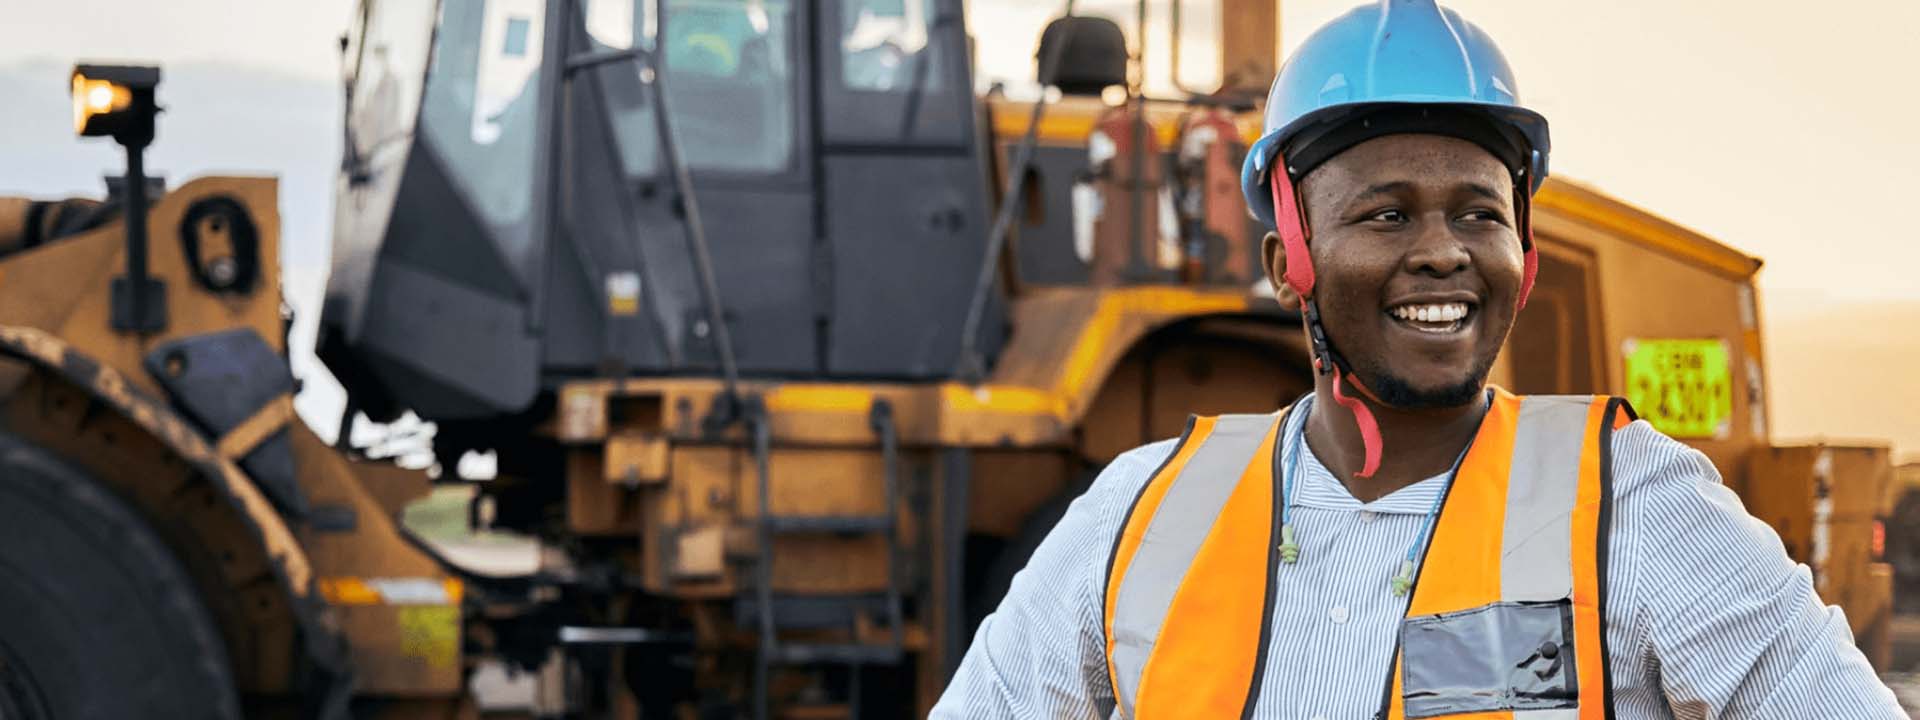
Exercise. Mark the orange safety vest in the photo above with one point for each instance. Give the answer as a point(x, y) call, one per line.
point(1515, 627)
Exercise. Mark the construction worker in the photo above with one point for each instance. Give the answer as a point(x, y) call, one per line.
point(1405, 541)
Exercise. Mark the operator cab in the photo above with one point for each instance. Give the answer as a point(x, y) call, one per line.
point(507, 215)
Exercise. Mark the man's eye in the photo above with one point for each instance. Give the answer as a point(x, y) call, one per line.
point(1390, 216)
point(1483, 216)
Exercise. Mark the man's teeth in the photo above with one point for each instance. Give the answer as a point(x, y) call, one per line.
point(1438, 313)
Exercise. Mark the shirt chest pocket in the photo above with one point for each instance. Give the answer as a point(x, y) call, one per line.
point(1505, 656)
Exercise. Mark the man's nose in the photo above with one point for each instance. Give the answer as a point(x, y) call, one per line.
point(1437, 251)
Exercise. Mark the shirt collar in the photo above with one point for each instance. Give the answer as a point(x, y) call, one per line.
point(1318, 488)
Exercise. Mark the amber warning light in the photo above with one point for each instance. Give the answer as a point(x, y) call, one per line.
point(115, 100)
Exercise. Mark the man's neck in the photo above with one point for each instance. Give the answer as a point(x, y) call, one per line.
point(1418, 444)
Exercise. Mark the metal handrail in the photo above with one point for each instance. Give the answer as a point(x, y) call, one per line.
point(973, 367)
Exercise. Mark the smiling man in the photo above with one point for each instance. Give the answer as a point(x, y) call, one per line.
point(1405, 541)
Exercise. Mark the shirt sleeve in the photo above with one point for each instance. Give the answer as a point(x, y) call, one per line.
point(1042, 654)
point(1729, 626)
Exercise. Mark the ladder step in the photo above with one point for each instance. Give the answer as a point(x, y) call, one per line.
point(836, 524)
point(811, 612)
point(843, 654)
point(816, 712)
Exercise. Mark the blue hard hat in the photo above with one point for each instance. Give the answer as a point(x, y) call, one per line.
point(1393, 55)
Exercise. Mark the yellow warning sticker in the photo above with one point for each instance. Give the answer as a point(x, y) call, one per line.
point(431, 634)
point(1684, 387)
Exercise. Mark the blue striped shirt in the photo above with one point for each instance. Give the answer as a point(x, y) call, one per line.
point(1706, 615)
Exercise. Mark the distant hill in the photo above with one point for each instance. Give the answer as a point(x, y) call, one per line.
point(1845, 369)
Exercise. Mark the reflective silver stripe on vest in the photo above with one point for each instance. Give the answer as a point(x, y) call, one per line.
point(1536, 562)
point(1560, 714)
point(1173, 537)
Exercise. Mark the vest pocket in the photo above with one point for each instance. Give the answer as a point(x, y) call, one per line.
point(1503, 656)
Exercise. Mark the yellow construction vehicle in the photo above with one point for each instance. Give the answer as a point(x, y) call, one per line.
point(788, 345)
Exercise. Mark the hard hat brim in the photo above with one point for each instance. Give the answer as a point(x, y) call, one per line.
point(1255, 171)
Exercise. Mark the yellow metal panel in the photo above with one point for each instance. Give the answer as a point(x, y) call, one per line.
point(700, 553)
point(636, 458)
point(1119, 318)
point(820, 398)
point(63, 287)
point(393, 600)
point(1070, 121)
point(1591, 207)
point(1006, 399)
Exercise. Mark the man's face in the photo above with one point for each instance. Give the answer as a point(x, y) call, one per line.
point(1418, 263)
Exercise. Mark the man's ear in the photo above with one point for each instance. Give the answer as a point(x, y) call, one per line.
point(1274, 257)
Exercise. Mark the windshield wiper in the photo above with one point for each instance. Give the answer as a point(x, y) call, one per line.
point(922, 65)
point(973, 364)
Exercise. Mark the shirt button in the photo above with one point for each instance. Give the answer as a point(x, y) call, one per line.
point(1368, 516)
point(1319, 717)
point(1338, 614)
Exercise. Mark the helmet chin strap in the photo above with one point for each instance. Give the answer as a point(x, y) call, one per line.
point(1530, 262)
point(1291, 223)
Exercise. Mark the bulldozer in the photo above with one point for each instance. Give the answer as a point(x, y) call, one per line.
point(787, 340)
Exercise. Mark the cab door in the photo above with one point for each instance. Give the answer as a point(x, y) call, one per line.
point(902, 185)
point(625, 288)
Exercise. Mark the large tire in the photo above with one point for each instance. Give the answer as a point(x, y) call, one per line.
point(97, 618)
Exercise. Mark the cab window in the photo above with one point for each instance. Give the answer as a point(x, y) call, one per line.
point(729, 82)
point(482, 106)
point(884, 43)
point(897, 71)
point(388, 59)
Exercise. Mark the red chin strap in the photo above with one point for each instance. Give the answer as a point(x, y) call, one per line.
point(1370, 442)
point(1531, 267)
point(1530, 261)
point(1291, 224)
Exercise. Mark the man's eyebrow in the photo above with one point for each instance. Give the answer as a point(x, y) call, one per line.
point(1396, 186)
point(1485, 191)
point(1385, 188)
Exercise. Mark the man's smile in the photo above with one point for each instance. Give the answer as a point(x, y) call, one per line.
point(1442, 315)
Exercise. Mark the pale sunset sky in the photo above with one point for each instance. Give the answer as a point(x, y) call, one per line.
point(1785, 130)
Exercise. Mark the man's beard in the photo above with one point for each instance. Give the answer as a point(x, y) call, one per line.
point(1397, 393)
